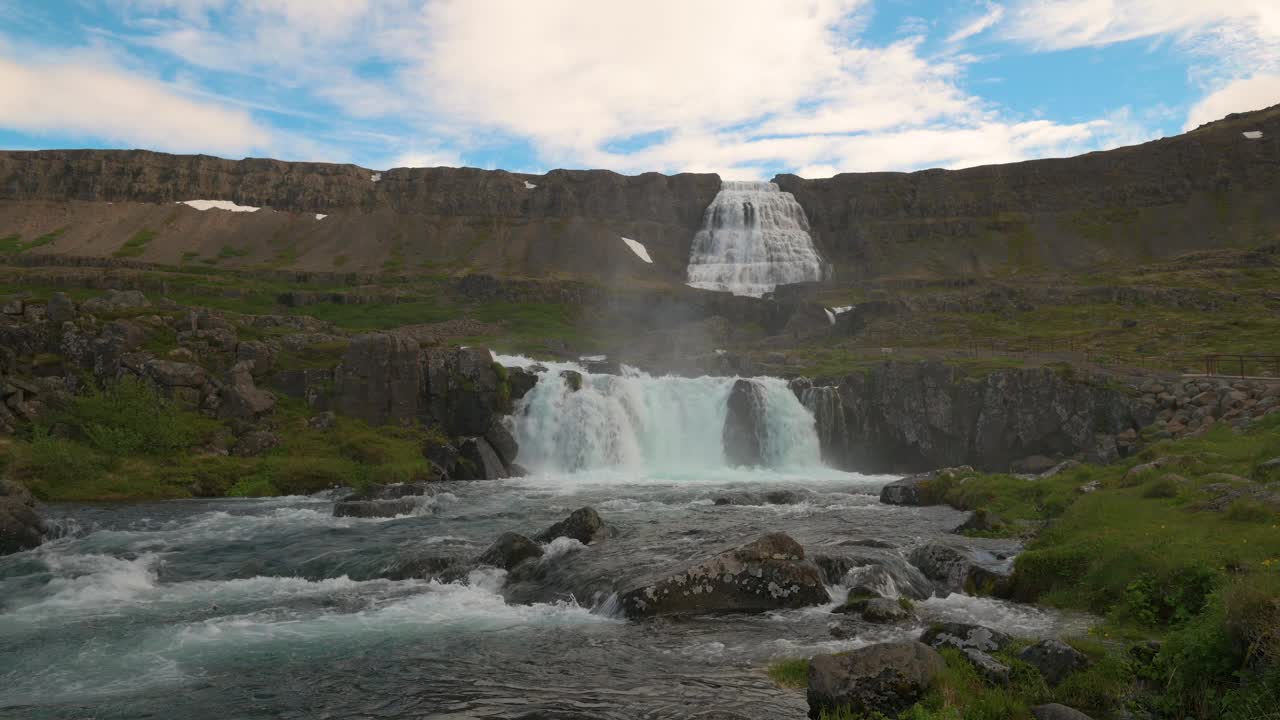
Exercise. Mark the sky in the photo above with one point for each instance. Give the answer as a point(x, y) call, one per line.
point(745, 88)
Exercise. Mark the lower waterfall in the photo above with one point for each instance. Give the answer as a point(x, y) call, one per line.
point(642, 422)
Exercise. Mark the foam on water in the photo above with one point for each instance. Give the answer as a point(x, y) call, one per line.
point(754, 237)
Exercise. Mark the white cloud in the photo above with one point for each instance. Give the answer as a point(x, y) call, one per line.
point(1252, 93)
point(978, 25)
point(438, 158)
point(85, 96)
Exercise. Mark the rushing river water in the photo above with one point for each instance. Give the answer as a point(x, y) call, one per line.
point(275, 609)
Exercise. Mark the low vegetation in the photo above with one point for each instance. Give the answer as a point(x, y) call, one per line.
point(136, 245)
point(128, 442)
point(1176, 546)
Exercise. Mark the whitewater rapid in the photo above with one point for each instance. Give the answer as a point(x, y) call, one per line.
point(269, 608)
point(754, 237)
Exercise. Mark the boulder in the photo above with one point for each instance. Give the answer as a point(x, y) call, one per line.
point(60, 309)
point(992, 670)
point(744, 425)
point(886, 678)
point(963, 636)
point(477, 460)
point(169, 374)
point(956, 569)
point(510, 550)
point(980, 521)
point(13, 306)
point(374, 508)
point(391, 491)
point(466, 389)
point(521, 381)
point(768, 574)
point(255, 443)
point(241, 398)
point(1033, 465)
point(116, 301)
point(912, 490)
point(885, 611)
point(502, 441)
point(261, 354)
point(1054, 711)
point(21, 528)
point(572, 380)
point(583, 525)
point(771, 497)
point(324, 422)
point(1054, 659)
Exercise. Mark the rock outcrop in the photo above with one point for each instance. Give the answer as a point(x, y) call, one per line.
point(744, 425)
point(1054, 659)
point(21, 528)
point(963, 636)
point(768, 574)
point(583, 525)
point(958, 569)
point(886, 678)
point(509, 550)
point(916, 416)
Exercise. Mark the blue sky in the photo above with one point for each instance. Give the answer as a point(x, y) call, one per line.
point(747, 88)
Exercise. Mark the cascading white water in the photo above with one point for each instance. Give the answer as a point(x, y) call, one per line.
point(754, 237)
point(649, 424)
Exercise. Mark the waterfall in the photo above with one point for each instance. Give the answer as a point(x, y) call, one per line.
point(754, 237)
point(824, 402)
point(645, 423)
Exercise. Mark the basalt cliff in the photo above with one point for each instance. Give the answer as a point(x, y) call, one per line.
point(1210, 188)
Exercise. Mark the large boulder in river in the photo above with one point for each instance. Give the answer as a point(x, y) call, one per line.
point(744, 425)
point(768, 574)
point(509, 550)
point(583, 525)
point(958, 569)
point(375, 508)
point(21, 528)
point(886, 678)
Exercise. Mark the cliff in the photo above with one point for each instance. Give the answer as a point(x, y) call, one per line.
point(1212, 187)
point(1209, 188)
point(405, 220)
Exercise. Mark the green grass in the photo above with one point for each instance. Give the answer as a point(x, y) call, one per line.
point(13, 245)
point(791, 673)
point(136, 245)
point(227, 252)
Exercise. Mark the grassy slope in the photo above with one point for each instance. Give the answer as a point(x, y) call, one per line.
point(1141, 551)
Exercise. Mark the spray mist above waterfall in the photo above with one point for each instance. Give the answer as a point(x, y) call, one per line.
point(754, 237)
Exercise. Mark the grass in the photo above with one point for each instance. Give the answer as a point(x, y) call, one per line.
point(136, 245)
point(13, 245)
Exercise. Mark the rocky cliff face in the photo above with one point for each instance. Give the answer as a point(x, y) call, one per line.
point(563, 221)
point(1211, 187)
point(910, 417)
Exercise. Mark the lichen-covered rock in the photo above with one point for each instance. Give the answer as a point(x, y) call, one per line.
point(1054, 659)
point(768, 574)
point(963, 636)
point(168, 374)
point(583, 525)
point(744, 425)
point(992, 670)
point(59, 309)
point(886, 678)
point(509, 550)
point(913, 490)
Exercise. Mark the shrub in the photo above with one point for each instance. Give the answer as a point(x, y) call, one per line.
point(58, 462)
point(1164, 487)
point(305, 475)
point(129, 418)
point(1250, 511)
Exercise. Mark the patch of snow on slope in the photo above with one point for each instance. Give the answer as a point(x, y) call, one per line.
point(1253, 134)
point(203, 205)
point(321, 216)
point(528, 185)
point(639, 249)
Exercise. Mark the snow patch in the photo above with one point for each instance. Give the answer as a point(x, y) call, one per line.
point(375, 177)
point(639, 249)
point(528, 185)
point(321, 216)
point(203, 205)
point(1252, 134)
